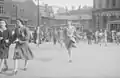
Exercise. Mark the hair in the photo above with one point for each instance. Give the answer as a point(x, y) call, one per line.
point(5, 22)
point(22, 22)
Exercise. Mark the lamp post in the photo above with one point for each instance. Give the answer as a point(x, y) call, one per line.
point(16, 11)
point(38, 40)
point(38, 13)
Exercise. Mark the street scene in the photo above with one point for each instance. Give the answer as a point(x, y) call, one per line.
point(59, 39)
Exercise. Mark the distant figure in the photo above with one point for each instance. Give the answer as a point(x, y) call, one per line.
point(105, 37)
point(35, 35)
point(97, 37)
point(55, 34)
point(113, 35)
point(101, 37)
point(89, 36)
point(60, 36)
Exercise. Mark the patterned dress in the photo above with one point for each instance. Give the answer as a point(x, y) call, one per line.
point(69, 38)
point(4, 46)
point(22, 49)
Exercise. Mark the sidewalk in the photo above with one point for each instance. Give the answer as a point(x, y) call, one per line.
point(89, 61)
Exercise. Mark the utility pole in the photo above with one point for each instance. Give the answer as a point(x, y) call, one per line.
point(38, 23)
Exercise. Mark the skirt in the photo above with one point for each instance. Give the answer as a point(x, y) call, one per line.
point(4, 53)
point(23, 51)
point(70, 42)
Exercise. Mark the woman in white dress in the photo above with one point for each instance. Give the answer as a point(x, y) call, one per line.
point(69, 38)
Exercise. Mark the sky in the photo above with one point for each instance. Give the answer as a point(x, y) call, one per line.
point(68, 3)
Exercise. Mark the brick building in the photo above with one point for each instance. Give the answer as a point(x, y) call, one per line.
point(26, 10)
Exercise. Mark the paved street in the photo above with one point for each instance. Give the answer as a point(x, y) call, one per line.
point(51, 61)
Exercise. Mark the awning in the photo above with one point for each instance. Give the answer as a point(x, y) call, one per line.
point(66, 17)
point(4, 16)
point(24, 19)
point(85, 17)
point(114, 22)
point(108, 13)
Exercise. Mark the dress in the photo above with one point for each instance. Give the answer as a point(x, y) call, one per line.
point(55, 36)
point(4, 46)
point(22, 49)
point(69, 38)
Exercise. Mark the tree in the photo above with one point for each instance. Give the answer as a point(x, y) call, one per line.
point(79, 7)
point(73, 7)
point(66, 8)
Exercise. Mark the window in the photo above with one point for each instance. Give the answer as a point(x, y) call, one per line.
point(1, 9)
point(113, 3)
point(107, 3)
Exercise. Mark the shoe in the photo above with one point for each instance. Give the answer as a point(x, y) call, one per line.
point(25, 69)
point(5, 69)
point(1, 72)
point(74, 45)
point(15, 72)
point(70, 61)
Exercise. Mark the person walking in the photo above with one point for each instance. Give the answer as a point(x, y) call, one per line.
point(55, 34)
point(35, 35)
point(105, 37)
point(22, 49)
point(89, 37)
point(5, 42)
point(60, 36)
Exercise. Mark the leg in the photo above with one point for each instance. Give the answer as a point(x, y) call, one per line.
point(100, 42)
point(105, 42)
point(25, 66)
point(1, 65)
point(69, 51)
point(69, 54)
point(6, 66)
point(61, 43)
point(15, 66)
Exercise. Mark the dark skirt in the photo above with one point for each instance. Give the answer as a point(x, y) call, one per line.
point(4, 52)
point(23, 51)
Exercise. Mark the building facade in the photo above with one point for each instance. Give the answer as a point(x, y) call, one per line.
point(26, 10)
point(81, 16)
point(3, 13)
point(104, 12)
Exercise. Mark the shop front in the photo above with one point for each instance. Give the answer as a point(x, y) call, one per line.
point(102, 17)
point(113, 25)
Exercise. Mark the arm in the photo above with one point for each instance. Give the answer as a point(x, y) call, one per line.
point(14, 36)
point(10, 37)
point(26, 36)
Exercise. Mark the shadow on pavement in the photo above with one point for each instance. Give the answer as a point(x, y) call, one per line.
point(8, 73)
point(44, 59)
point(10, 69)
